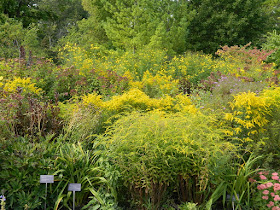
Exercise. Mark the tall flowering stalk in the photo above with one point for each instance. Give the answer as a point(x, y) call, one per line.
point(2, 199)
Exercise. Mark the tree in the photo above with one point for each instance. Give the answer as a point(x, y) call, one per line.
point(226, 22)
point(25, 11)
point(273, 43)
point(15, 39)
point(130, 25)
point(272, 7)
point(89, 30)
point(62, 15)
point(134, 24)
point(52, 18)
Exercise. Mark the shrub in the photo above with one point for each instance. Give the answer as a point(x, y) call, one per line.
point(249, 115)
point(255, 118)
point(192, 66)
point(218, 90)
point(74, 164)
point(270, 139)
point(273, 43)
point(90, 114)
point(157, 151)
point(24, 112)
point(249, 63)
point(21, 164)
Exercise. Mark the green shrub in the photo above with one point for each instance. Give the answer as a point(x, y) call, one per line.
point(156, 151)
point(21, 164)
point(273, 43)
point(74, 164)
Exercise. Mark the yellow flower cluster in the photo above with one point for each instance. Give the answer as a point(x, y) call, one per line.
point(251, 112)
point(190, 65)
point(93, 100)
point(1, 83)
point(23, 84)
point(77, 57)
point(272, 97)
point(138, 100)
point(161, 83)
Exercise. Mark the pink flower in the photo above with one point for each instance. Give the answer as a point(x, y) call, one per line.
point(270, 204)
point(269, 184)
point(265, 197)
point(275, 177)
point(275, 208)
point(260, 173)
point(261, 187)
point(252, 180)
point(276, 187)
point(272, 194)
point(266, 192)
point(265, 173)
point(276, 198)
point(262, 177)
point(274, 174)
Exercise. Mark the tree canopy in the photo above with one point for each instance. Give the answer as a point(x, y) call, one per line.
point(226, 22)
point(177, 26)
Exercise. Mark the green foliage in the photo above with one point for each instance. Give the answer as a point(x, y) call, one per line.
point(16, 41)
point(273, 43)
point(119, 75)
point(25, 11)
point(235, 188)
point(155, 150)
point(239, 186)
point(188, 206)
point(74, 164)
point(226, 22)
point(61, 15)
point(272, 7)
point(21, 164)
point(132, 25)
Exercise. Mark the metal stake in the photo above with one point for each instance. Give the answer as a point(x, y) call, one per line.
point(73, 200)
point(46, 196)
point(46, 179)
point(74, 187)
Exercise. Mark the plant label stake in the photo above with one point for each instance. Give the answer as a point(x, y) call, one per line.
point(233, 199)
point(74, 187)
point(46, 179)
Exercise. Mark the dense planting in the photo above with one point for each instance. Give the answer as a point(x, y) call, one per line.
point(139, 130)
point(121, 97)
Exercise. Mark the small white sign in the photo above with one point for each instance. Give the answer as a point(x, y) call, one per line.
point(46, 178)
point(74, 187)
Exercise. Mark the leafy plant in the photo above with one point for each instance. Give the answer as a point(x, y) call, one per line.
point(155, 151)
point(273, 43)
point(235, 188)
point(76, 165)
point(268, 187)
point(22, 163)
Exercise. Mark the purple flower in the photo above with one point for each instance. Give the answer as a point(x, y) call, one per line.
point(2, 197)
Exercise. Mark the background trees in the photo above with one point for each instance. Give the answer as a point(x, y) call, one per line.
point(226, 22)
point(129, 25)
